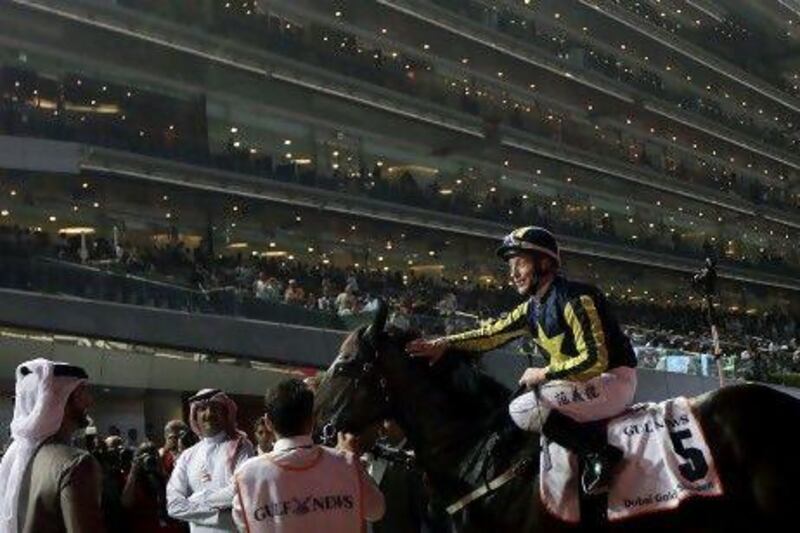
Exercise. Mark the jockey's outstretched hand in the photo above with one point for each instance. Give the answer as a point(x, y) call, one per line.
point(433, 349)
point(533, 376)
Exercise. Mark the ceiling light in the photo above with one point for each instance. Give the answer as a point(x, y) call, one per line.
point(76, 231)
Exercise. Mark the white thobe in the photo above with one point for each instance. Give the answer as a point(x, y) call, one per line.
point(200, 489)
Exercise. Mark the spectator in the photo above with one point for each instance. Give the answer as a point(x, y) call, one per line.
point(325, 303)
point(326, 286)
point(311, 302)
point(303, 487)
point(294, 293)
point(759, 370)
point(346, 303)
point(409, 507)
point(144, 497)
point(115, 460)
point(264, 288)
point(371, 304)
point(352, 282)
point(263, 436)
point(200, 490)
point(186, 440)
point(169, 452)
point(48, 485)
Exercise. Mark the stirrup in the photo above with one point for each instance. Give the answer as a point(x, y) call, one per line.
point(597, 473)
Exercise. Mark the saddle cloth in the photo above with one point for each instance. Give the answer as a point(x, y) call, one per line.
point(666, 461)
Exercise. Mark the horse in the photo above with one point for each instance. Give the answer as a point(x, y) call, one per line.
point(456, 421)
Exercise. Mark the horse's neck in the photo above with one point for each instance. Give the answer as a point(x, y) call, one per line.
point(443, 434)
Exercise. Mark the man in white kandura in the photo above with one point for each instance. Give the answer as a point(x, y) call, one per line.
point(200, 489)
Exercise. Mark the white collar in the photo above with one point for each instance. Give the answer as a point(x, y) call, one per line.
point(302, 441)
point(216, 439)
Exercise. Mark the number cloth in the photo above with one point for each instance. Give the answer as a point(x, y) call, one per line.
point(666, 461)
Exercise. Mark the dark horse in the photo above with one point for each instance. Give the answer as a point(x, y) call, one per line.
point(454, 417)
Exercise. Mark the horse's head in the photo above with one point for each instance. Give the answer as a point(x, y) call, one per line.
point(373, 379)
point(352, 395)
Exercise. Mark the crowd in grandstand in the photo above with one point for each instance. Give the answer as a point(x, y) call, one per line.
point(430, 304)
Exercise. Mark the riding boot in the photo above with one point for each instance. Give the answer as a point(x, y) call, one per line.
point(590, 442)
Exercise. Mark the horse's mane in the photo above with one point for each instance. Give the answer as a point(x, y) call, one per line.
point(471, 407)
point(460, 374)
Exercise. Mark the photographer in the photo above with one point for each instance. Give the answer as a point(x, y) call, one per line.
point(115, 461)
point(144, 497)
point(169, 452)
point(705, 281)
point(391, 467)
point(186, 439)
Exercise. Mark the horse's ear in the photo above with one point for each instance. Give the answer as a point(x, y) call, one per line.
point(378, 323)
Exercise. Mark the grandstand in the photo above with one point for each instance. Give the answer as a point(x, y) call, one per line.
point(220, 189)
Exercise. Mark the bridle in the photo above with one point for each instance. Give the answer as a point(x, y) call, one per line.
point(360, 371)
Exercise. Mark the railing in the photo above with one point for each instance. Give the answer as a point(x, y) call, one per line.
point(51, 276)
point(57, 277)
point(775, 368)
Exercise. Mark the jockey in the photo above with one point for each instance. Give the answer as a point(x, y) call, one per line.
point(591, 372)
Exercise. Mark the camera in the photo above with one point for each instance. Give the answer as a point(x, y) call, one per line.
point(705, 280)
point(148, 461)
point(186, 439)
point(393, 455)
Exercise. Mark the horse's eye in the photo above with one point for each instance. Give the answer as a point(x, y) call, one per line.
point(367, 368)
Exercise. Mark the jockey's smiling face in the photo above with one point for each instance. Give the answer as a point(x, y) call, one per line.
point(521, 270)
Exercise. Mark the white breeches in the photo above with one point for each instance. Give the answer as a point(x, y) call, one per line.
point(601, 397)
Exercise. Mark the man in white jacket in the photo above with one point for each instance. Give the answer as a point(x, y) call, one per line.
point(200, 488)
point(300, 487)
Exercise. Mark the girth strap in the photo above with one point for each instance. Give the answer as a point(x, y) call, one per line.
point(491, 486)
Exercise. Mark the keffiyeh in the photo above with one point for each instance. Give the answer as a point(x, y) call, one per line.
point(217, 396)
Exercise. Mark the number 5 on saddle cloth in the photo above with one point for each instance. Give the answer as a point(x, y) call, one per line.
point(666, 461)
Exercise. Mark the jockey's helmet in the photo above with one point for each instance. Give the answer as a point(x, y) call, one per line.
point(531, 240)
